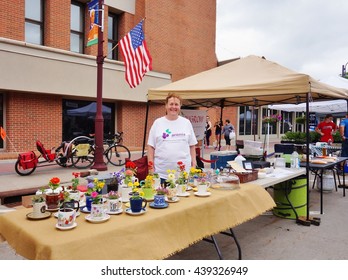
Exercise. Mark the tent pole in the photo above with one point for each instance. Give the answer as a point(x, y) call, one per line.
point(307, 151)
point(222, 107)
point(145, 128)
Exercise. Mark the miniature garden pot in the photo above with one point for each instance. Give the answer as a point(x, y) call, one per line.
point(172, 193)
point(148, 193)
point(52, 201)
point(137, 204)
point(89, 202)
point(159, 200)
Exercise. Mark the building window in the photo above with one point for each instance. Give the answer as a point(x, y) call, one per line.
point(79, 116)
point(77, 20)
point(248, 120)
point(286, 122)
point(272, 127)
point(34, 18)
point(112, 36)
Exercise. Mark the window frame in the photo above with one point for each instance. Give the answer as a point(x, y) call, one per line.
point(40, 23)
point(114, 40)
point(80, 33)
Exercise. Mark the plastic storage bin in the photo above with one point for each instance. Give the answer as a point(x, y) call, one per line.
point(221, 158)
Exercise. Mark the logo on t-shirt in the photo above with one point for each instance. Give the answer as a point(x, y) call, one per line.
point(166, 133)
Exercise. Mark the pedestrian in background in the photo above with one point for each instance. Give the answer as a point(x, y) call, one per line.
point(208, 127)
point(218, 130)
point(228, 127)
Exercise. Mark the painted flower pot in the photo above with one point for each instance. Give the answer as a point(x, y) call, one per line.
point(172, 193)
point(148, 193)
point(89, 202)
point(52, 201)
point(159, 200)
point(136, 204)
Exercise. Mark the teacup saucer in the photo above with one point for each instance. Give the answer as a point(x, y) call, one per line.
point(44, 215)
point(129, 212)
point(185, 194)
point(56, 214)
point(93, 220)
point(66, 228)
point(175, 199)
point(85, 210)
point(118, 211)
point(153, 205)
point(202, 194)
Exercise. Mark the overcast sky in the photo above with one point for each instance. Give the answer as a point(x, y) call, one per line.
point(307, 36)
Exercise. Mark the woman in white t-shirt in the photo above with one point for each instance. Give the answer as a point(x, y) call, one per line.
point(171, 139)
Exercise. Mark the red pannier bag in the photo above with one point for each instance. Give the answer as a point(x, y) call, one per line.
point(28, 160)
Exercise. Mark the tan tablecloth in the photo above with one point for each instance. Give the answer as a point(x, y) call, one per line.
point(157, 234)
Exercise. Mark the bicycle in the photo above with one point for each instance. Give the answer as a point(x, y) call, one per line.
point(116, 153)
point(63, 156)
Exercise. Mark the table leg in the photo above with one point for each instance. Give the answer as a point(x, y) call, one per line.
point(321, 191)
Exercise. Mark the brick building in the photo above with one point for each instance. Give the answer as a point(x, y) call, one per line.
point(46, 68)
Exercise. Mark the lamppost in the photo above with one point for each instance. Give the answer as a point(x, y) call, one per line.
point(99, 120)
point(344, 70)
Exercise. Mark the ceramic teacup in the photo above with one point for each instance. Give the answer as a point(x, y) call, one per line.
point(39, 208)
point(114, 205)
point(203, 188)
point(137, 204)
point(181, 189)
point(66, 217)
point(98, 211)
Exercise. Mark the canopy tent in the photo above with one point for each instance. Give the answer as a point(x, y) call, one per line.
point(252, 81)
point(88, 110)
point(249, 81)
point(336, 81)
point(321, 107)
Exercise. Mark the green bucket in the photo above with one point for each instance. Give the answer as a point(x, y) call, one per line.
point(295, 191)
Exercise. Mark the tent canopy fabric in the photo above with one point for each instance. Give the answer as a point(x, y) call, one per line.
point(249, 81)
point(336, 81)
point(88, 110)
point(321, 107)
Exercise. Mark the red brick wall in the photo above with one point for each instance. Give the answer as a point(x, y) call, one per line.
point(57, 24)
point(181, 36)
point(32, 117)
point(12, 20)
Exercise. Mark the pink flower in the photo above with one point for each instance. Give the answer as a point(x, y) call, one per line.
point(94, 194)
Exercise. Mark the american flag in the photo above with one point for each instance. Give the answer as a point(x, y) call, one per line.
point(137, 58)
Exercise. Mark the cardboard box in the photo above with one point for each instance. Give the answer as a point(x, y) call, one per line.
point(26, 201)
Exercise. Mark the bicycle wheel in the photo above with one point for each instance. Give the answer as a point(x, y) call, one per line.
point(82, 161)
point(63, 159)
point(23, 172)
point(117, 154)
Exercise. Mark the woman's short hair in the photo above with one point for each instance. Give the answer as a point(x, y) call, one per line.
point(173, 95)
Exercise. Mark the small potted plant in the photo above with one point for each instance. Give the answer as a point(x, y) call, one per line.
point(113, 201)
point(73, 191)
point(94, 186)
point(52, 198)
point(97, 206)
point(148, 187)
point(136, 200)
point(159, 198)
point(39, 205)
point(182, 178)
point(171, 186)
